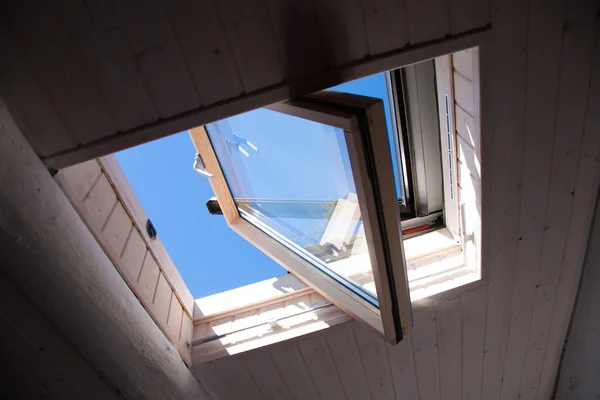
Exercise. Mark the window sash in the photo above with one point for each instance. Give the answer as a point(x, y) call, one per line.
point(363, 121)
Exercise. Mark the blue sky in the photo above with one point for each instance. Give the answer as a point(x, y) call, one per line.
point(210, 257)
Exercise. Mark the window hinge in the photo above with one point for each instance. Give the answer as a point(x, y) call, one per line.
point(200, 168)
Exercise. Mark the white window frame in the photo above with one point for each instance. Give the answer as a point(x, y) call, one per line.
point(392, 316)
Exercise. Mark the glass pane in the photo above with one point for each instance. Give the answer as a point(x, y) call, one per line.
point(292, 178)
point(377, 86)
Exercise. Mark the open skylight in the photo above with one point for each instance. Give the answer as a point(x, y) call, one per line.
point(209, 256)
point(315, 184)
point(173, 196)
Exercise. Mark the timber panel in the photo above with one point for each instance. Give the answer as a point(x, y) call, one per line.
point(142, 71)
point(91, 192)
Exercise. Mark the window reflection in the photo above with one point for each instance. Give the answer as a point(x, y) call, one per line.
point(292, 178)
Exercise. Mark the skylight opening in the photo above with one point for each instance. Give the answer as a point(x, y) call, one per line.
point(210, 257)
point(362, 199)
point(294, 180)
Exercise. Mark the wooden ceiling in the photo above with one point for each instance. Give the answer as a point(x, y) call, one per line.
point(87, 78)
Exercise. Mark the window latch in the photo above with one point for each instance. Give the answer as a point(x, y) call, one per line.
point(200, 168)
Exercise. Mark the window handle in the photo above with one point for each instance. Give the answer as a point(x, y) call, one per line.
point(200, 168)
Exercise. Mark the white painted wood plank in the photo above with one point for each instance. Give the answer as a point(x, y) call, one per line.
point(57, 64)
point(343, 32)
point(265, 375)
point(466, 128)
point(298, 39)
point(157, 56)
point(347, 359)
point(237, 379)
point(473, 331)
point(161, 303)
point(588, 179)
point(450, 340)
point(437, 15)
point(104, 53)
point(187, 329)
point(462, 61)
point(100, 202)
point(402, 365)
point(17, 384)
point(35, 363)
point(373, 351)
point(174, 322)
point(117, 230)
point(133, 257)
point(317, 357)
point(31, 107)
point(148, 279)
point(79, 179)
point(208, 376)
point(197, 26)
point(464, 93)
point(544, 42)
point(386, 25)
point(42, 351)
point(293, 370)
point(575, 74)
point(579, 369)
point(468, 160)
point(466, 15)
point(469, 180)
point(425, 348)
point(250, 32)
point(503, 75)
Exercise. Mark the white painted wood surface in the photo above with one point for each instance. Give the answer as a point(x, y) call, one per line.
point(530, 97)
point(67, 83)
point(587, 182)
point(105, 56)
point(104, 200)
point(573, 95)
point(133, 65)
point(35, 360)
point(578, 374)
point(545, 33)
point(206, 48)
point(52, 258)
point(157, 55)
point(503, 98)
point(480, 344)
point(138, 216)
point(467, 139)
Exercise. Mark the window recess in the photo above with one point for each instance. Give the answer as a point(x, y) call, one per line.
point(331, 188)
point(307, 189)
